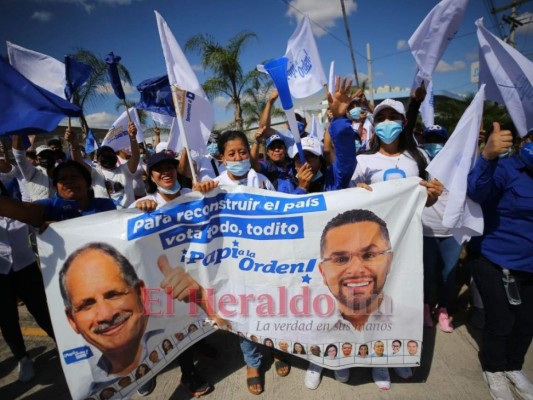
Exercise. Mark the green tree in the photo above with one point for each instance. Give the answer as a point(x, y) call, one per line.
point(255, 98)
point(228, 77)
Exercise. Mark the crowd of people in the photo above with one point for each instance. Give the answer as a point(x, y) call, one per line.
point(361, 145)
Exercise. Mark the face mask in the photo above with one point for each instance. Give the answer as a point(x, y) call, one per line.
point(526, 154)
point(355, 112)
point(388, 131)
point(301, 127)
point(358, 146)
point(238, 168)
point(318, 175)
point(432, 149)
point(212, 148)
point(173, 190)
point(108, 161)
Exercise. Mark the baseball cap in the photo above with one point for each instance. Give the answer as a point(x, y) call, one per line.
point(390, 103)
point(159, 158)
point(436, 130)
point(42, 148)
point(311, 144)
point(272, 139)
point(161, 146)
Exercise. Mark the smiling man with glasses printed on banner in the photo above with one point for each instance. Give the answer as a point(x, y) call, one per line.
point(356, 257)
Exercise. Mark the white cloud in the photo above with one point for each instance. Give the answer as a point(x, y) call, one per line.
point(89, 5)
point(220, 101)
point(527, 20)
point(197, 67)
point(102, 120)
point(443, 66)
point(402, 44)
point(41, 16)
point(324, 13)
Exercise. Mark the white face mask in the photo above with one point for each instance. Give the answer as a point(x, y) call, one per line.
point(173, 190)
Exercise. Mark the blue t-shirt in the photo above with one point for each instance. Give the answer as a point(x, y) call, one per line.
point(59, 209)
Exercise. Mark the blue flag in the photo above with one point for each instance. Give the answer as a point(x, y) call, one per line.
point(156, 96)
point(91, 143)
point(28, 108)
point(112, 71)
point(76, 74)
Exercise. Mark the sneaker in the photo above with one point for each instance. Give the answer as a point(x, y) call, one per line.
point(147, 388)
point(521, 383)
point(195, 384)
point(313, 376)
point(26, 371)
point(404, 372)
point(428, 318)
point(342, 375)
point(445, 324)
point(498, 385)
point(381, 378)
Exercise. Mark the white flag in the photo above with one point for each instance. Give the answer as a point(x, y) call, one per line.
point(509, 77)
point(43, 70)
point(452, 165)
point(331, 81)
point(196, 112)
point(304, 71)
point(428, 44)
point(117, 136)
point(162, 119)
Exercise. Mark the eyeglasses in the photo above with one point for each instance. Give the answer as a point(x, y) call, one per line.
point(369, 258)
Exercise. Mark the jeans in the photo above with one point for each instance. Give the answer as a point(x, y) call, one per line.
point(508, 328)
point(251, 353)
point(27, 284)
point(440, 255)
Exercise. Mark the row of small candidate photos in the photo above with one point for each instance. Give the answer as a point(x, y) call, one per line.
point(167, 349)
point(385, 348)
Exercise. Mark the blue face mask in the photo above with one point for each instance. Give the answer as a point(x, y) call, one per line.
point(173, 190)
point(355, 112)
point(388, 131)
point(212, 148)
point(432, 149)
point(301, 127)
point(238, 168)
point(526, 154)
point(358, 146)
point(318, 175)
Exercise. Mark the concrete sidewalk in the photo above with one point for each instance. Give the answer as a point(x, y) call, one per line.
point(450, 370)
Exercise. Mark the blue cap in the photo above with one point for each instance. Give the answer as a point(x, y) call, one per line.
point(436, 130)
point(272, 139)
point(159, 158)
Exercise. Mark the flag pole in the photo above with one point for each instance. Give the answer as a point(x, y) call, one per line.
point(179, 119)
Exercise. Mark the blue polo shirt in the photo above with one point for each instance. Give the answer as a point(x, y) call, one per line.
point(58, 209)
point(504, 189)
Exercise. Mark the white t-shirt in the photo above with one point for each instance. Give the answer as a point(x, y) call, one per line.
point(378, 167)
point(116, 184)
point(432, 218)
point(158, 198)
point(253, 179)
point(38, 183)
point(204, 166)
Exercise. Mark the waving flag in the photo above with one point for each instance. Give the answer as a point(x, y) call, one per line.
point(76, 74)
point(305, 73)
point(451, 166)
point(42, 70)
point(114, 78)
point(194, 112)
point(26, 107)
point(156, 96)
point(91, 143)
point(331, 80)
point(429, 42)
point(162, 119)
point(117, 136)
point(508, 76)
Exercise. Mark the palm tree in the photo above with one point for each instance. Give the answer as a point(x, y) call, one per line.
point(91, 91)
point(228, 78)
point(255, 99)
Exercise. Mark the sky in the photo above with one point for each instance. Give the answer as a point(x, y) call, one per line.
point(128, 28)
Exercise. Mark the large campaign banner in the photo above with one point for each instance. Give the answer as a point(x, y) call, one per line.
point(335, 278)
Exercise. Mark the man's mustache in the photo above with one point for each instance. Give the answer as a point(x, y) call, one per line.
point(117, 320)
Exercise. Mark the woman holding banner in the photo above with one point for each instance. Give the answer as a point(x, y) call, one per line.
point(394, 155)
point(503, 265)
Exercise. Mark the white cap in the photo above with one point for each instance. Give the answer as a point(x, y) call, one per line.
point(161, 146)
point(390, 103)
point(42, 148)
point(311, 144)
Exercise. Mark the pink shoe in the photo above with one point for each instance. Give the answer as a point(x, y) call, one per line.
point(445, 324)
point(428, 318)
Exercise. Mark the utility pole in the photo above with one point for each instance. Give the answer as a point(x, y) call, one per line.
point(349, 43)
point(511, 20)
point(370, 79)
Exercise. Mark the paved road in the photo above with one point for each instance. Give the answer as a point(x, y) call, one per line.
point(450, 370)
